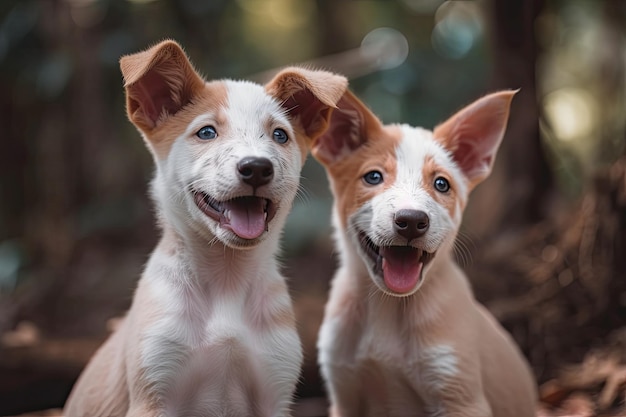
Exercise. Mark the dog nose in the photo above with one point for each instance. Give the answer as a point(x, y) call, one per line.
point(255, 171)
point(411, 224)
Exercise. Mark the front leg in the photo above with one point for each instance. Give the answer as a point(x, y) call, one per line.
point(344, 392)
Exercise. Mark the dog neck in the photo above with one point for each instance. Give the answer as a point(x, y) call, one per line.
point(212, 265)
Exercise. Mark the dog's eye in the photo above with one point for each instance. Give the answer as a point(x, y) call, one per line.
point(280, 136)
point(441, 184)
point(373, 177)
point(207, 132)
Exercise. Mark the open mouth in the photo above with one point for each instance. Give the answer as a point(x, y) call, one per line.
point(248, 217)
point(400, 266)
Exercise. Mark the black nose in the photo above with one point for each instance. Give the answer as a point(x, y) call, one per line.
point(411, 224)
point(255, 171)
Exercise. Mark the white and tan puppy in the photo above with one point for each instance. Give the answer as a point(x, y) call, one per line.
point(402, 333)
point(211, 330)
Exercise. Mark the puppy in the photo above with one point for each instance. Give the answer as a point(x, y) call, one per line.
point(211, 329)
point(402, 334)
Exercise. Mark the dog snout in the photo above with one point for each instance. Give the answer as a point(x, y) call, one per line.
point(411, 224)
point(255, 171)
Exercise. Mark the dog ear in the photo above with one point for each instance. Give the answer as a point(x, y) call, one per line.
point(352, 123)
point(159, 82)
point(308, 96)
point(473, 134)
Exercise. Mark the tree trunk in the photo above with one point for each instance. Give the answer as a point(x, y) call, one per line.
point(520, 187)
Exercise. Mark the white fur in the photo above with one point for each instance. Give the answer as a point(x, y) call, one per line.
point(439, 364)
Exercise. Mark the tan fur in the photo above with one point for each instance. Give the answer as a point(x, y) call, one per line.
point(212, 98)
point(349, 187)
point(430, 171)
point(295, 81)
point(175, 67)
point(347, 173)
point(437, 351)
point(211, 330)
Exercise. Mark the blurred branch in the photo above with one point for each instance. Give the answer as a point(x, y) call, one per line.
point(382, 48)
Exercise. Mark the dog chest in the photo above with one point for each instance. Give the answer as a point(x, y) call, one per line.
point(386, 366)
point(207, 356)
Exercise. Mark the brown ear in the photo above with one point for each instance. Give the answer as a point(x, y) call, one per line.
point(351, 125)
point(473, 135)
point(308, 97)
point(159, 82)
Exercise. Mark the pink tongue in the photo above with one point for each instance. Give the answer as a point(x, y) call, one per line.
point(247, 217)
point(401, 268)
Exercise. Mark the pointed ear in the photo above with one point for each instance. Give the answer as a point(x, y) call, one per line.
point(309, 97)
point(159, 82)
point(351, 124)
point(473, 135)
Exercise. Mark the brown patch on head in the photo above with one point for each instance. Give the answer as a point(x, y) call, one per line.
point(211, 101)
point(430, 172)
point(159, 82)
point(351, 126)
point(377, 153)
point(356, 143)
point(308, 97)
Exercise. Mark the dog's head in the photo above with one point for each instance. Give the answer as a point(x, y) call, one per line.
point(228, 153)
point(400, 191)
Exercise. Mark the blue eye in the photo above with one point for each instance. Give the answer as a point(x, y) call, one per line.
point(441, 184)
point(280, 136)
point(373, 177)
point(207, 132)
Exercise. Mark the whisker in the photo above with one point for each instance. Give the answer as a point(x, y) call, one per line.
point(303, 195)
point(462, 249)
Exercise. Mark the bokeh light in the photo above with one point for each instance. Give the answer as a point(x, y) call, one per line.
point(571, 113)
point(458, 25)
point(387, 47)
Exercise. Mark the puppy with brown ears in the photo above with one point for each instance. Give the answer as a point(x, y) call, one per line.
point(402, 333)
point(211, 330)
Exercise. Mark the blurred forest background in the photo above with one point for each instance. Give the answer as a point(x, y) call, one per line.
point(543, 239)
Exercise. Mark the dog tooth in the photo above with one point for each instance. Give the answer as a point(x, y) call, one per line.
point(227, 214)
